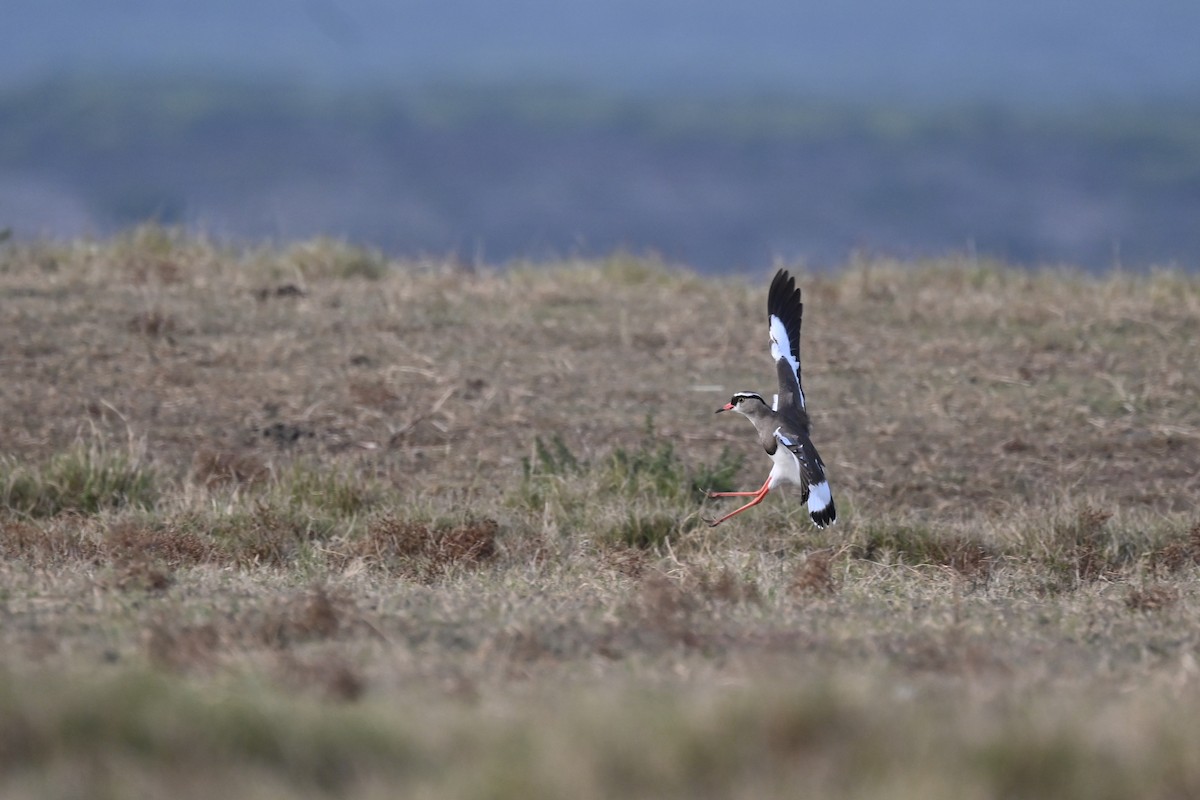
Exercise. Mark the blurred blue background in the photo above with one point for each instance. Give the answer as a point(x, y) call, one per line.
point(725, 136)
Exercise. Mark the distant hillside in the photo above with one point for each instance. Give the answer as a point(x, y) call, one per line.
point(509, 172)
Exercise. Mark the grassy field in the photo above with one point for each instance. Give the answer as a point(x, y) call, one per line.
point(305, 523)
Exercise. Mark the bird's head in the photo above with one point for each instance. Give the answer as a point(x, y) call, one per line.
point(745, 403)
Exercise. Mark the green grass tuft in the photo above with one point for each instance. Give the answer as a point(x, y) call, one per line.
point(647, 531)
point(325, 491)
point(83, 480)
point(328, 258)
point(649, 489)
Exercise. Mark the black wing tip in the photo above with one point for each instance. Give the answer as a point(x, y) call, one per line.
point(825, 517)
point(783, 286)
point(783, 299)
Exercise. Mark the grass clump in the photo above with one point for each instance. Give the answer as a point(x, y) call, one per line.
point(652, 489)
point(1087, 546)
point(553, 459)
point(285, 518)
point(627, 269)
point(269, 534)
point(327, 258)
point(653, 467)
point(1178, 553)
point(324, 491)
point(1152, 597)
point(424, 551)
point(646, 531)
point(921, 545)
point(84, 480)
point(545, 472)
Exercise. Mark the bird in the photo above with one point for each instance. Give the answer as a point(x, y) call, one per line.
point(783, 427)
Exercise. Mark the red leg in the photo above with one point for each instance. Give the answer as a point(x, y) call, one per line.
point(758, 498)
point(761, 490)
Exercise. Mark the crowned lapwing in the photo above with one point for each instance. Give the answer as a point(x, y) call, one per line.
point(783, 428)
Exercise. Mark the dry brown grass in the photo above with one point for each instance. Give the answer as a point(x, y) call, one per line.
point(453, 516)
point(421, 551)
point(814, 575)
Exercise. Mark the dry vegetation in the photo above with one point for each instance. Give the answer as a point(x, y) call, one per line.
point(306, 523)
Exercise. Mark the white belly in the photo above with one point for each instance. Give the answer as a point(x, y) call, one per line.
point(785, 469)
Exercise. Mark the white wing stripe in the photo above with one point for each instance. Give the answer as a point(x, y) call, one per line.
point(819, 497)
point(781, 345)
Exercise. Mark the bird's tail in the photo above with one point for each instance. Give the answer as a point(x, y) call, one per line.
point(820, 504)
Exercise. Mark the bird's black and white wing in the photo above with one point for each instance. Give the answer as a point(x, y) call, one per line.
point(812, 472)
point(784, 314)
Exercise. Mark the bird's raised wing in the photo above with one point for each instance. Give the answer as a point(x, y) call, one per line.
point(784, 313)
